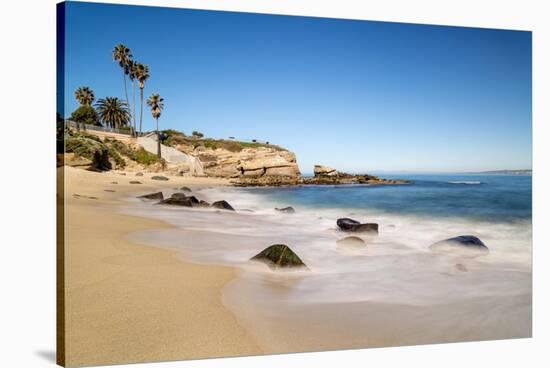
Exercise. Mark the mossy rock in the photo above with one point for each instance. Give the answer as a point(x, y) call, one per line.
point(279, 256)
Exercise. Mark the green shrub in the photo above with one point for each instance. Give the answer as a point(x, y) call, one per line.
point(85, 114)
point(145, 158)
point(91, 149)
point(117, 158)
point(197, 134)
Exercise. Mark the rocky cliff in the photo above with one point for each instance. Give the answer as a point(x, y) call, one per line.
point(239, 160)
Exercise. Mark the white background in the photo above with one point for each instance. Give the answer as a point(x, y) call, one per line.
point(27, 193)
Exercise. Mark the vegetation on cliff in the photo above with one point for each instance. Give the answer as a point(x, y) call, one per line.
point(107, 153)
point(174, 138)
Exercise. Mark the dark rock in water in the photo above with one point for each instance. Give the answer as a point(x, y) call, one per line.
point(180, 199)
point(279, 256)
point(159, 177)
point(194, 200)
point(114, 182)
point(347, 224)
point(135, 182)
point(223, 205)
point(186, 189)
point(461, 244)
point(184, 202)
point(139, 174)
point(109, 190)
point(286, 210)
point(203, 203)
point(157, 195)
point(351, 241)
point(178, 195)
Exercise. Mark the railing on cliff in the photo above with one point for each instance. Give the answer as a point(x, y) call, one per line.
point(84, 127)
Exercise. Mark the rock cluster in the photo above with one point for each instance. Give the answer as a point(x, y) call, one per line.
point(324, 175)
point(183, 200)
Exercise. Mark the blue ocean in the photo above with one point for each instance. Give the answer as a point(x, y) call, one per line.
point(394, 268)
point(490, 198)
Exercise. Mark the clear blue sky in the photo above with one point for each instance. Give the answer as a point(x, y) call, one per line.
point(356, 95)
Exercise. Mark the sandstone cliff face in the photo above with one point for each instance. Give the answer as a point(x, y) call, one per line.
point(247, 163)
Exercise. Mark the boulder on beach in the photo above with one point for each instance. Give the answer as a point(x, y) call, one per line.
point(159, 177)
point(139, 174)
point(351, 241)
point(203, 203)
point(222, 205)
point(288, 209)
point(347, 224)
point(135, 182)
point(279, 256)
point(157, 196)
point(465, 244)
point(185, 189)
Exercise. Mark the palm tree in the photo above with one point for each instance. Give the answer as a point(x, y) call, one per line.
point(156, 103)
point(132, 74)
point(142, 74)
point(122, 54)
point(84, 95)
point(113, 112)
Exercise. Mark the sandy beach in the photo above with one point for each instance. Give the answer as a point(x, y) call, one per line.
point(149, 283)
point(133, 303)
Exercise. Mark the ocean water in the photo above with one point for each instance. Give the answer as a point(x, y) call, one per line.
point(396, 267)
point(491, 198)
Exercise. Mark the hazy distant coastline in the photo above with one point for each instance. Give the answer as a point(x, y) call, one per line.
point(506, 172)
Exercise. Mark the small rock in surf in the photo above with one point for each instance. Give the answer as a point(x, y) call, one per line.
point(347, 224)
point(468, 244)
point(279, 256)
point(286, 210)
point(223, 205)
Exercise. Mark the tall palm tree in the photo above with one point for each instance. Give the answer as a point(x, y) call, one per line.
point(84, 95)
point(132, 74)
point(156, 103)
point(113, 112)
point(122, 54)
point(142, 74)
